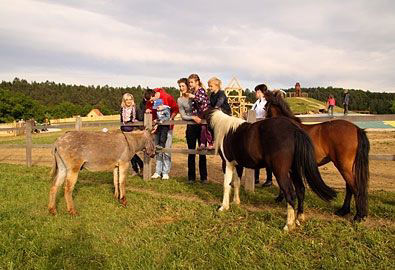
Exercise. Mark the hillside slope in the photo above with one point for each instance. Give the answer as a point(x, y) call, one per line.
point(303, 105)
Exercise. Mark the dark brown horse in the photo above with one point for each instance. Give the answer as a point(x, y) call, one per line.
point(341, 142)
point(277, 143)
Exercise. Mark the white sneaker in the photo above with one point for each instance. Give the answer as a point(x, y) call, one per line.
point(165, 176)
point(155, 176)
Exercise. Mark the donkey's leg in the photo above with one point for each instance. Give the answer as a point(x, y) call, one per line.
point(123, 170)
point(57, 182)
point(236, 184)
point(116, 182)
point(227, 180)
point(71, 179)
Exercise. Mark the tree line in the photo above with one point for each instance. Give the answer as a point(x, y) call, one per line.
point(20, 99)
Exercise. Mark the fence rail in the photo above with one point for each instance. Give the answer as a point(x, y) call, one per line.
point(148, 124)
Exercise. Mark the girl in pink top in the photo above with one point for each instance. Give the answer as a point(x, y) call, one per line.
point(331, 104)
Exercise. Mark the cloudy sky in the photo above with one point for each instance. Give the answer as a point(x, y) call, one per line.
point(348, 44)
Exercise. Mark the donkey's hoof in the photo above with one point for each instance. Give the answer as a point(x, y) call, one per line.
point(52, 211)
point(73, 212)
point(123, 202)
point(342, 212)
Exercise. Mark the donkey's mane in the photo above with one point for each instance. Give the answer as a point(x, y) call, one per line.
point(275, 99)
point(222, 124)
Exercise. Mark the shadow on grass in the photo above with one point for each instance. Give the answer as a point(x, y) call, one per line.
point(75, 252)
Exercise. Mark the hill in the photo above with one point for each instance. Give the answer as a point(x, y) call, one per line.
point(302, 105)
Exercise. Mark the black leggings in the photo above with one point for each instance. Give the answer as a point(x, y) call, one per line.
point(137, 163)
point(193, 136)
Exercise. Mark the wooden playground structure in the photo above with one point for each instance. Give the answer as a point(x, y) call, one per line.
point(236, 99)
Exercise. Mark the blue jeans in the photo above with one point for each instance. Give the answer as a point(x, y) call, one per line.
point(163, 160)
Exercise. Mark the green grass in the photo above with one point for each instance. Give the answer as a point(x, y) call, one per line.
point(301, 106)
point(170, 224)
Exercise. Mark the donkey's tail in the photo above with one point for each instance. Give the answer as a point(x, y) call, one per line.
point(54, 169)
point(305, 165)
point(361, 171)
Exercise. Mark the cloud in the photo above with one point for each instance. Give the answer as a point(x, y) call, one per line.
point(318, 43)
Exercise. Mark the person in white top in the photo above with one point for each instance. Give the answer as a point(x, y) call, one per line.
point(259, 108)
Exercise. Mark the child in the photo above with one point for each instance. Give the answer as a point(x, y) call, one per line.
point(162, 114)
point(128, 116)
point(331, 104)
point(200, 105)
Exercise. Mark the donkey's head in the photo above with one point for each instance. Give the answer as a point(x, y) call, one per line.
point(149, 144)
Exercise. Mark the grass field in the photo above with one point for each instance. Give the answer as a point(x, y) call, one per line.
point(170, 224)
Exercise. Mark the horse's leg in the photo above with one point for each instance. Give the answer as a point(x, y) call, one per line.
point(345, 169)
point(71, 179)
point(123, 169)
point(57, 182)
point(227, 180)
point(236, 184)
point(345, 209)
point(280, 197)
point(288, 190)
point(300, 192)
point(116, 182)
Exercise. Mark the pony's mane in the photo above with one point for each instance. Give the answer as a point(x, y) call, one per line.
point(222, 124)
point(275, 99)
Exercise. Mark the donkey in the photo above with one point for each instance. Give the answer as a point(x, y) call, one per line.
point(95, 151)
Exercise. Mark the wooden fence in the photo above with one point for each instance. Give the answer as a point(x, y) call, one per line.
point(248, 177)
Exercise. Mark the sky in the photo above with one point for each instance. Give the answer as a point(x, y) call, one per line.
point(349, 44)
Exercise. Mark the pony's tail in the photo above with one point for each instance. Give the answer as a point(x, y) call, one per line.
point(361, 172)
point(305, 165)
point(54, 169)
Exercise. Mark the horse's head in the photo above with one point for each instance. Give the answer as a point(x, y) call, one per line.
point(149, 147)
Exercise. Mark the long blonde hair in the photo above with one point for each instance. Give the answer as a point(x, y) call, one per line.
point(126, 95)
point(196, 78)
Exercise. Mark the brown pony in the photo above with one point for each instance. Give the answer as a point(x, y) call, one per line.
point(341, 142)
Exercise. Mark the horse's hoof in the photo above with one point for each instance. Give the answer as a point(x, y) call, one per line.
point(289, 227)
point(279, 199)
point(358, 219)
point(116, 196)
point(222, 208)
point(342, 212)
point(52, 211)
point(237, 202)
point(301, 218)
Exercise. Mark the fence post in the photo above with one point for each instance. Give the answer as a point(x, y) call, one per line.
point(78, 123)
point(147, 159)
point(29, 143)
point(249, 181)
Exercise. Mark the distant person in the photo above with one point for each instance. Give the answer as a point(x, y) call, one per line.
point(331, 104)
point(346, 101)
point(128, 115)
point(298, 90)
point(192, 133)
point(259, 108)
point(200, 106)
point(218, 99)
point(163, 160)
